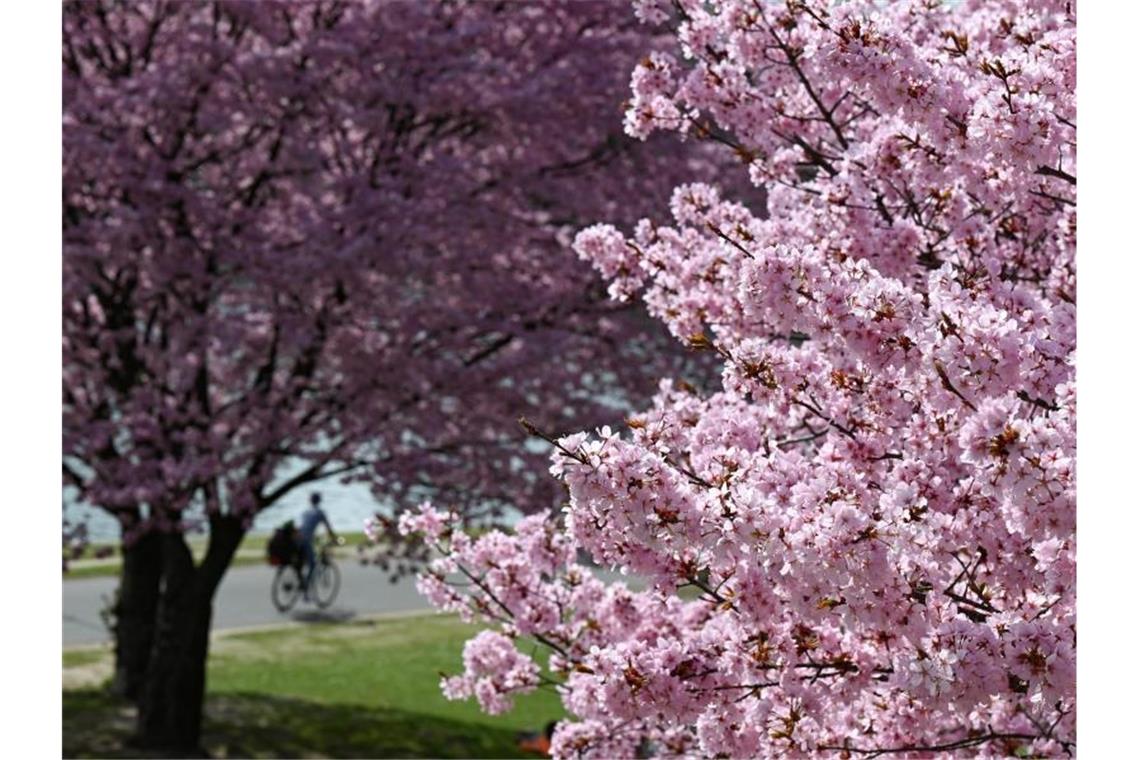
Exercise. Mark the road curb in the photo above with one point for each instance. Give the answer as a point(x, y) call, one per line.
point(239, 630)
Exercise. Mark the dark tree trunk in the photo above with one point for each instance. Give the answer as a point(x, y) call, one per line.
point(135, 611)
point(170, 709)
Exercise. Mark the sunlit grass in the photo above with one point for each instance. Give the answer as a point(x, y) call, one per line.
point(363, 689)
point(251, 552)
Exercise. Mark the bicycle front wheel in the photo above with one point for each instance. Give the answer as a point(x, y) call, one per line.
point(286, 588)
point(326, 584)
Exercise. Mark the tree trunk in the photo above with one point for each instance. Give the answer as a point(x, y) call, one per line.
point(135, 611)
point(170, 710)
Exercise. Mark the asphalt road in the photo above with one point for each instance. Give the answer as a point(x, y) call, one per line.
point(243, 600)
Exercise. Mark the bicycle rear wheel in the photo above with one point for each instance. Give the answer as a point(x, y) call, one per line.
point(286, 588)
point(326, 584)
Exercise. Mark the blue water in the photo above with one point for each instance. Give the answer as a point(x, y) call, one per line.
point(348, 507)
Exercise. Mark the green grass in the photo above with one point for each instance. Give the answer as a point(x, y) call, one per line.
point(251, 552)
point(362, 689)
point(77, 658)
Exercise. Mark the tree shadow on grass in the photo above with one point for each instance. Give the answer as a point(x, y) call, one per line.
point(261, 725)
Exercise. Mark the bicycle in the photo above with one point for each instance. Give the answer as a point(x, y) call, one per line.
point(287, 582)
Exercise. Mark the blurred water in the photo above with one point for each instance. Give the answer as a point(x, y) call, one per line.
point(348, 507)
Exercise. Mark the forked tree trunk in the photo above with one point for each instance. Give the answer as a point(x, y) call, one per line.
point(135, 612)
point(170, 708)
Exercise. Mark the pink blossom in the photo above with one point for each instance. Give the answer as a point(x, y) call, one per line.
point(875, 511)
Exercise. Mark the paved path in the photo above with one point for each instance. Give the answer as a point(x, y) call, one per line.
point(243, 600)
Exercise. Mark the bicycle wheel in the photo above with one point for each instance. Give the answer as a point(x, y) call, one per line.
point(326, 584)
point(286, 588)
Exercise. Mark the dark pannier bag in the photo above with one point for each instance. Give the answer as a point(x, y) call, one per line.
point(282, 546)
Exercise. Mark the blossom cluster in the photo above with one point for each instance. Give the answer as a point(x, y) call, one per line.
point(876, 509)
point(299, 239)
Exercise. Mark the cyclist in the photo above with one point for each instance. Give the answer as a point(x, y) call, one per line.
point(312, 519)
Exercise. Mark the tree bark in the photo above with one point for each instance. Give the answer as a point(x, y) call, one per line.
point(135, 611)
point(170, 709)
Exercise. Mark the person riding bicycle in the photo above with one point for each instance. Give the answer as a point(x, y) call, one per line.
point(312, 519)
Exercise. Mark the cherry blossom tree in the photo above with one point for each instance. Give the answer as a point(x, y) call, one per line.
point(874, 516)
point(330, 240)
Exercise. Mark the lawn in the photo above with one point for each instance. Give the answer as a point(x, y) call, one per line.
point(360, 689)
point(251, 552)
